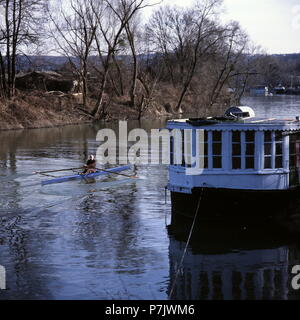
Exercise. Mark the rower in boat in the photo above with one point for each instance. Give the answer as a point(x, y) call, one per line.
point(90, 172)
point(91, 165)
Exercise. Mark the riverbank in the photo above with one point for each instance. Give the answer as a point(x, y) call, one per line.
point(38, 110)
point(32, 110)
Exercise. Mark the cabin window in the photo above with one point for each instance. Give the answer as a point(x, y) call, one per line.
point(278, 150)
point(268, 149)
point(186, 148)
point(294, 158)
point(243, 150)
point(217, 149)
point(183, 148)
point(236, 150)
point(250, 150)
point(212, 154)
point(295, 151)
point(204, 156)
point(273, 150)
point(172, 150)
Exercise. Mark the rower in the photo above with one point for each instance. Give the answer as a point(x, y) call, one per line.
point(90, 166)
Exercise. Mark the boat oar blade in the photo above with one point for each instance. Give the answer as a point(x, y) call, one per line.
point(31, 185)
point(58, 170)
point(117, 173)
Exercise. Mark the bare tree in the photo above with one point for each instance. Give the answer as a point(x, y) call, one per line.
point(184, 55)
point(113, 18)
point(186, 36)
point(22, 26)
point(74, 33)
point(148, 76)
point(229, 55)
point(131, 31)
point(160, 31)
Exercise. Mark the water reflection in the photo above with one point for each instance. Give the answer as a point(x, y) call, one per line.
point(229, 263)
point(280, 106)
point(67, 242)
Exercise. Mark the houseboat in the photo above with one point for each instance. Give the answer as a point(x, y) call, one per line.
point(259, 91)
point(248, 166)
point(280, 89)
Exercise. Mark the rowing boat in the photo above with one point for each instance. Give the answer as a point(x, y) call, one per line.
point(85, 176)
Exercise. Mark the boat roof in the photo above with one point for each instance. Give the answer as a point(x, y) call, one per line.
point(227, 123)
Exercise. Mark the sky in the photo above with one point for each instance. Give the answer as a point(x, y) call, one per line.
point(274, 25)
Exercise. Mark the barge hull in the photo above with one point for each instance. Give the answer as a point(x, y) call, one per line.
point(236, 204)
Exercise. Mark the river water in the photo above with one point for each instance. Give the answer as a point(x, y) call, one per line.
point(109, 240)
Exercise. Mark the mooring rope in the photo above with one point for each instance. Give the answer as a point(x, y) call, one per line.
point(166, 212)
point(187, 245)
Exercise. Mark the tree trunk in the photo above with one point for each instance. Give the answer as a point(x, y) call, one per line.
point(84, 85)
point(99, 104)
point(3, 79)
point(185, 88)
point(120, 76)
point(132, 90)
point(8, 57)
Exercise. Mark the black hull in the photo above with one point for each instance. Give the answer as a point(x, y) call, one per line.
point(241, 207)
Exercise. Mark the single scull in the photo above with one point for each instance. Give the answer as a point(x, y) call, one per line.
point(85, 176)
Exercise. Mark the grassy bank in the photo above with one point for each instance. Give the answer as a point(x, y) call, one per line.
point(30, 110)
point(41, 110)
point(37, 110)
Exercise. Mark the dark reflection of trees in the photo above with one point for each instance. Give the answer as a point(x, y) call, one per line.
point(23, 275)
point(42, 142)
point(111, 216)
point(19, 245)
point(111, 220)
point(8, 167)
point(128, 230)
point(252, 265)
point(108, 220)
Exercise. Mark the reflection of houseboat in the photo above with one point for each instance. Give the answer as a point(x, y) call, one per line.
point(257, 274)
point(234, 165)
point(259, 90)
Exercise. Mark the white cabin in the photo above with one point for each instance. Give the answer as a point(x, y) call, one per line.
point(238, 152)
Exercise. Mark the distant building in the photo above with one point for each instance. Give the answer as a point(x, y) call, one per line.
point(45, 81)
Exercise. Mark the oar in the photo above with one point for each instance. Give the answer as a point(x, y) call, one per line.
point(60, 170)
point(73, 169)
point(119, 174)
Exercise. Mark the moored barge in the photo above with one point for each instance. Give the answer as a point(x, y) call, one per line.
point(249, 166)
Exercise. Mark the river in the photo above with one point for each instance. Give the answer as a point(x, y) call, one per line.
point(70, 241)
